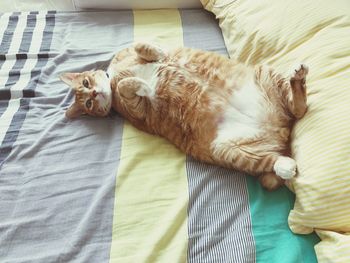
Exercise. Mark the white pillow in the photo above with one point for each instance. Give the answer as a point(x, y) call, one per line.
point(136, 4)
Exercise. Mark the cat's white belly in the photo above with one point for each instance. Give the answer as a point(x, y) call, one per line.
point(243, 117)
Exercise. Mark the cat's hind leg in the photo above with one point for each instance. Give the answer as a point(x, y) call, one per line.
point(297, 97)
point(252, 157)
point(149, 52)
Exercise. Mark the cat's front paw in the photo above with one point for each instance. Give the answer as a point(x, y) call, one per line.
point(285, 167)
point(300, 72)
point(131, 86)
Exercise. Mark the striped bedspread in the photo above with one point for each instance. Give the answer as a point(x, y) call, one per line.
point(98, 190)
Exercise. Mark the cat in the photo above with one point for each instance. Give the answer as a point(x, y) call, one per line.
point(213, 108)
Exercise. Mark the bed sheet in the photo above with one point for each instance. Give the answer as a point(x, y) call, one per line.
point(98, 190)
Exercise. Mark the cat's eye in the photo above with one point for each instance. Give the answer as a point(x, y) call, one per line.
point(85, 83)
point(107, 75)
point(88, 103)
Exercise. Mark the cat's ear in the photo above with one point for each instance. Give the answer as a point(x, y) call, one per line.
point(69, 77)
point(74, 111)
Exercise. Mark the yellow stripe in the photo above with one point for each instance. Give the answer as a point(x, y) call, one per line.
point(159, 26)
point(150, 213)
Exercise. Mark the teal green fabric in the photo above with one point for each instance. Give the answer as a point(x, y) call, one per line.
point(274, 240)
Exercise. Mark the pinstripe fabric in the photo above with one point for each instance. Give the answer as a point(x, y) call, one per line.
point(218, 215)
point(219, 224)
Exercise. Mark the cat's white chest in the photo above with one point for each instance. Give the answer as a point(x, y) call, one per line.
point(149, 73)
point(243, 117)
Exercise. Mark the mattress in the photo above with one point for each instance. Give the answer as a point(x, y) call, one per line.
point(97, 189)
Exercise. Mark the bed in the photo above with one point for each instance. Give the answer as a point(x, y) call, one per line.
point(98, 190)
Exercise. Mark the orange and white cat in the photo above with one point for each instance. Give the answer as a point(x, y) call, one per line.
point(212, 108)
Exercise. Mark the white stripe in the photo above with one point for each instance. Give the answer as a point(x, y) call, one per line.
point(18, 33)
point(38, 32)
point(24, 79)
point(32, 59)
point(4, 20)
point(6, 117)
point(4, 73)
point(14, 46)
point(14, 103)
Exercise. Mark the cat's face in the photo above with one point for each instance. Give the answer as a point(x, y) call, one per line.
point(93, 94)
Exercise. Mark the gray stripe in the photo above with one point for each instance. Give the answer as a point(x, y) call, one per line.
point(57, 184)
point(2, 56)
point(8, 34)
point(201, 31)
point(219, 225)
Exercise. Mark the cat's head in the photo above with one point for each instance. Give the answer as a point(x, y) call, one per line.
point(93, 94)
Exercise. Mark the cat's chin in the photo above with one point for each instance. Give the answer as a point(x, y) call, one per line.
point(105, 99)
point(101, 113)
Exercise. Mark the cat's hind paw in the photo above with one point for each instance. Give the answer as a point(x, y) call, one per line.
point(270, 181)
point(149, 52)
point(285, 167)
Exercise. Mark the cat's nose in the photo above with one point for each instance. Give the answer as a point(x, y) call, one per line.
point(93, 94)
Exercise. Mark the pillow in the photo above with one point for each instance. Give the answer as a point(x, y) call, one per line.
point(136, 4)
point(283, 33)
